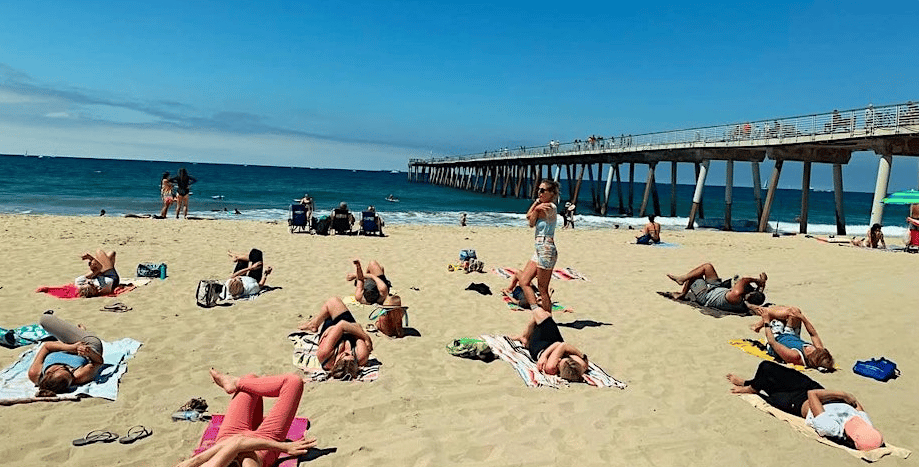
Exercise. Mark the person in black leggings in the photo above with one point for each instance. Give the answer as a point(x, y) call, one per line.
point(553, 356)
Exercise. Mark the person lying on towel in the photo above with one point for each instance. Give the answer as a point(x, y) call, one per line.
point(703, 286)
point(371, 287)
point(247, 436)
point(514, 293)
point(783, 337)
point(552, 354)
point(102, 277)
point(344, 346)
point(249, 275)
point(836, 415)
point(73, 360)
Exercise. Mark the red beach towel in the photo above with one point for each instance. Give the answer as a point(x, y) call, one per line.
point(296, 431)
point(68, 291)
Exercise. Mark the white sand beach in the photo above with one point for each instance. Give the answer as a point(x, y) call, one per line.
point(429, 408)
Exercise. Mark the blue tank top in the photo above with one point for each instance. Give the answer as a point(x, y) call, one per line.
point(545, 227)
point(72, 360)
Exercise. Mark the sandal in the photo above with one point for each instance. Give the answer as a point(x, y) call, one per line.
point(197, 404)
point(135, 433)
point(117, 307)
point(96, 436)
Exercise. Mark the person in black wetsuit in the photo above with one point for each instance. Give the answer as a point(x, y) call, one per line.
point(553, 356)
point(344, 346)
point(182, 183)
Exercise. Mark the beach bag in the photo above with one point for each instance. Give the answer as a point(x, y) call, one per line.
point(151, 270)
point(468, 347)
point(466, 255)
point(323, 224)
point(208, 293)
point(880, 369)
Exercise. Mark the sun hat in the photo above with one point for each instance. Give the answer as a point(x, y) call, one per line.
point(865, 436)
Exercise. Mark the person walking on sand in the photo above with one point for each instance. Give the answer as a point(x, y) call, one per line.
point(247, 437)
point(651, 233)
point(166, 189)
point(183, 183)
point(543, 215)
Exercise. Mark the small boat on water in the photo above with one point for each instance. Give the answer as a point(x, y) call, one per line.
point(217, 196)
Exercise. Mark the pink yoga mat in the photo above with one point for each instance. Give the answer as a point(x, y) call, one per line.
point(296, 431)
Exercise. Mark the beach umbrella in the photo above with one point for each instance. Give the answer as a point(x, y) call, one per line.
point(902, 197)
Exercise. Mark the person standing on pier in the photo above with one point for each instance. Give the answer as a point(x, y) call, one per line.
point(543, 215)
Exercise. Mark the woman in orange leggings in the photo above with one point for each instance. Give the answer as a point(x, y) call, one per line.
point(247, 436)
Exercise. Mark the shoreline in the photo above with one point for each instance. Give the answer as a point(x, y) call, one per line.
point(428, 407)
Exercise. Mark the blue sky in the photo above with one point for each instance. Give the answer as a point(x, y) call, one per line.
point(372, 84)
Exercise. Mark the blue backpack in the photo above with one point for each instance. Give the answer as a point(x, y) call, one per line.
point(880, 369)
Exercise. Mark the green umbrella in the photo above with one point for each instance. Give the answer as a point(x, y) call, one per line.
point(902, 197)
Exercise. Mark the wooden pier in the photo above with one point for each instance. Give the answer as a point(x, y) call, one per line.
point(828, 138)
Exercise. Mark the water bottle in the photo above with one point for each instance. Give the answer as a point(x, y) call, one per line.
point(162, 270)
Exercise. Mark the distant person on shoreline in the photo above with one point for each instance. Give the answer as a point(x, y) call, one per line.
point(651, 233)
point(568, 215)
point(166, 190)
point(703, 286)
point(913, 221)
point(463, 220)
point(308, 203)
point(543, 215)
point(183, 183)
point(873, 239)
point(102, 277)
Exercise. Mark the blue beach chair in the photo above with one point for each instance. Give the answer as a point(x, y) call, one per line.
point(298, 220)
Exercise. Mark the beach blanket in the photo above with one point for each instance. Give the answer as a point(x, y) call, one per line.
point(297, 428)
point(15, 385)
point(713, 312)
point(665, 245)
point(757, 348)
point(23, 335)
point(515, 307)
point(567, 274)
point(798, 424)
point(305, 346)
point(513, 352)
point(68, 291)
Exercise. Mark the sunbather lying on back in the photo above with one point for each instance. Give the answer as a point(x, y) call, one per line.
point(249, 275)
point(783, 337)
point(73, 360)
point(703, 286)
point(344, 346)
point(514, 293)
point(833, 414)
point(102, 277)
point(371, 287)
point(552, 354)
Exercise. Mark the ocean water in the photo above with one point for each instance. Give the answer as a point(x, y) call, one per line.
point(83, 187)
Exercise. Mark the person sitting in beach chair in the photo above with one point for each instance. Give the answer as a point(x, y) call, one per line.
point(73, 360)
point(651, 233)
point(249, 275)
point(836, 415)
point(371, 222)
point(553, 356)
point(371, 287)
point(344, 346)
point(299, 220)
point(703, 286)
point(248, 437)
point(783, 337)
point(342, 219)
point(102, 277)
point(873, 239)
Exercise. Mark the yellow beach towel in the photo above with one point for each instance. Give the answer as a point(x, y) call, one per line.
point(749, 346)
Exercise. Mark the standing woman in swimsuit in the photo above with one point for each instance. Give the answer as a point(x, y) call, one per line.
point(543, 215)
point(166, 189)
point(344, 346)
point(183, 181)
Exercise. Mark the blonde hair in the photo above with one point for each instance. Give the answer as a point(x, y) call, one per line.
point(236, 287)
point(346, 369)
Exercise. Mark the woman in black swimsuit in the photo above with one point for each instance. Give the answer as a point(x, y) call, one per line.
point(552, 354)
point(183, 182)
point(344, 346)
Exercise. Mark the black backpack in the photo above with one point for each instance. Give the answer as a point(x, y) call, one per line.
point(322, 226)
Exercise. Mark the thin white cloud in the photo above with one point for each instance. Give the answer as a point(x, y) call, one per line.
point(57, 115)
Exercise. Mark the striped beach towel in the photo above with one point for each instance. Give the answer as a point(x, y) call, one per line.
point(566, 274)
point(297, 429)
point(799, 425)
point(304, 358)
point(513, 352)
point(515, 307)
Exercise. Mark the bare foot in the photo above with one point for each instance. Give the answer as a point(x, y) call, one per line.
point(735, 380)
point(742, 390)
point(675, 279)
point(227, 382)
point(309, 326)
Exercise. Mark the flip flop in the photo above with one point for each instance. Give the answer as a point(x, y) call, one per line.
point(96, 436)
point(116, 308)
point(135, 433)
point(370, 327)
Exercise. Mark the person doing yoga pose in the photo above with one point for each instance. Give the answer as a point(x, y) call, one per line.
point(247, 436)
point(249, 275)
point(73, 360)
point(703, 286)
point(371, 287)
point(837, 415)
point(344, 346)
point(783, 337)
point(552, 354)
point(102, 277)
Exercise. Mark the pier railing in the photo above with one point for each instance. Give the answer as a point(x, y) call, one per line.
point(861, 122)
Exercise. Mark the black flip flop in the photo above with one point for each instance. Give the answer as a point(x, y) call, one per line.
point(135, 433)
point(96, 436)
